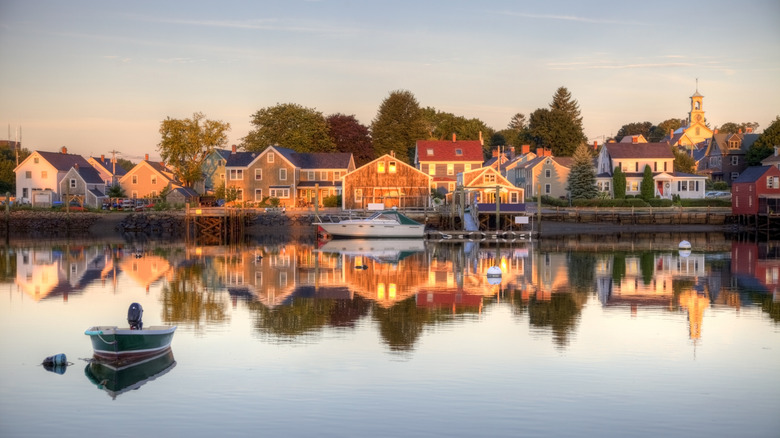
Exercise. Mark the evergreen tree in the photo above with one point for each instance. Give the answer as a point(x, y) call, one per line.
point(619, 183)
point(648, 186)
point(764, 144)
point(582, 177)
point(558, 128)
point(398, 125)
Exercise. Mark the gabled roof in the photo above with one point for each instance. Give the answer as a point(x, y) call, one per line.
point(445, 150)
point(722, 142)
point(564, 161)
point(109, 166)
point(90, 175)
point(639, 150)
point(224, 153)
point(97, 193)
point(320, 160)
point(636, 138)
point(63, 162)
point(752, 174)
point(240, 159)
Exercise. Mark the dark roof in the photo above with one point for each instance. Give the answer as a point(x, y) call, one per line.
point(109, 166)
point(639, 150)
point(564, 161)
point(240, 159)
point(751, 174)
point(224, 153)
point(186, 191)
point(97, 193)
point(90, 175)
point(319, 160)
point(62, 161)
point(722, 141)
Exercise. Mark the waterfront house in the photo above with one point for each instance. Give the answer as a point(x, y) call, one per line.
point(443, 160)
point(38, 176)
point(148, 179)
point(212, 171)
point(772, 160)
point(83, 186)
point(545, 173)
point(109, 170)
point(756, 191)
point(725, 156)
point(632, 159)
point(286, 175)
point(386, 182)
point(486, 181)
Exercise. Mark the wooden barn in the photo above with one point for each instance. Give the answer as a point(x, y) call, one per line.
point(385, 183)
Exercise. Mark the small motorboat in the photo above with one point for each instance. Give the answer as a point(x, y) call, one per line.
point(136, 341)
point(383, 224)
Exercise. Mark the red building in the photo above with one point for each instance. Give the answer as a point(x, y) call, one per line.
point(756, 191)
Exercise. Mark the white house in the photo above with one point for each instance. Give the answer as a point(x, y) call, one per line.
point(38, 177)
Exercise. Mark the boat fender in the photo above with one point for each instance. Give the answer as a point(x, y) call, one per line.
point(56, 364)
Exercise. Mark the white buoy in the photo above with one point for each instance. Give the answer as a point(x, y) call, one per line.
point(685, 245)
point(494, 272)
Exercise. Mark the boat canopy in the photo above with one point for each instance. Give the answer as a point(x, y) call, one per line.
point(394, 214)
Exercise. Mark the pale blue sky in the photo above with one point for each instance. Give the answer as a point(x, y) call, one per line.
point(98, 75)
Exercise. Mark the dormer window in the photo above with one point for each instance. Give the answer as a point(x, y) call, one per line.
point(429, 151)
point(458, 152)
point(733, 144)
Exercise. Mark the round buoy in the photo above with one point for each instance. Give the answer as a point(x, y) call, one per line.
point(493, 272)
point(685, 245)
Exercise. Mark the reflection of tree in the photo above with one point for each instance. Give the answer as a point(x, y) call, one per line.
point(401, 324)
point(618, 267)
point(7, 266)
point(306, 315)
point(647, 265)
point(582, 267)
point(185, 299)
point(560, 313)
point(768, 304)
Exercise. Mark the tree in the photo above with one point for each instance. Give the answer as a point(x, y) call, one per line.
point(558, 128)
point(683, 162)
point(291, 126)
point(563, 102)
point(350, 136)
point(648, 186)
point(734, 128)
point(115, 191)
point(125, 164)
point(635, 128)
point(7, 166)
point(398, 124)
point(663, 129)
point(619, 183)
point(582, 176)
point(186, 143)
point(764, 144)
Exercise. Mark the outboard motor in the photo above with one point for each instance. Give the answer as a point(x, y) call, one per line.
point(134, 315)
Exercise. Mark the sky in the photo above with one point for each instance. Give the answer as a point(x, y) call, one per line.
point(100, 76)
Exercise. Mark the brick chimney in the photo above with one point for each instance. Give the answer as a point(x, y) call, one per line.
point(539, 152)
point(715, 131)
point(524, 149)
point(740, 131)
point(547, 152)
point(146, 157)
point(748, 130)
point(102, 158)
point(453, 137)
point(76, 166)
point(495, 152)
point(481, 141)
point(64, 150)
point(595, 145)
point(671, 133)
point(233, 151)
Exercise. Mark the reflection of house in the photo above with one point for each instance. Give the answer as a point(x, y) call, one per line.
point(145, 270)
point(443, 160)
point(46, 273)
point(757, 267)
point(387, 182)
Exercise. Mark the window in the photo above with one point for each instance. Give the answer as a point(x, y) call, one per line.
point(634, 186)
point(324, 175)
point(358, 195)
point(24, 192)
point(28, 174)
point(258, 195)
point(735, 160)
point(280, 193)
point(44, 174)
point(664, 166)
point(380, 167)
point(391, 167)
point(655, 166)
point(154, 179)
point(514, 197)
point(467, 167)
point(240, 195)
point(458, 152)
point(35, 160)
point(135, 179)
point(337, 175)
point(282, 174)
point(270, 157)
point(154, 193)
point(73, 183)
point(222, 176)
point(547, 188)
point(734, 144)
point(134, 194)
point(490, 178)
point(451, 187)
point(236, 174)
point(734, 175)
point(636, 166)
point(682, 186)
point(431, 169)
point(311, 175)
point(258, 174)
point(450, 169)
point(429, 151)
point(772, 182)
point(547, 173)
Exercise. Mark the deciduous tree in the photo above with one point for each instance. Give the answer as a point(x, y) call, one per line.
point(186, 143)
point(663, 129)
point(683, 162)
point(350, 136)
point(582, 176)
point(291, 126)
point(636, 128)
point(733, 128)
point(398, 124)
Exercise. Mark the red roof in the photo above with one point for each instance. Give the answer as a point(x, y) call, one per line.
point(449, 151)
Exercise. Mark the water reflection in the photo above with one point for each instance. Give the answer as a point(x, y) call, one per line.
point(297, 289)
point(118, 377)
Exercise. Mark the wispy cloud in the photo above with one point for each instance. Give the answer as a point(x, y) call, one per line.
point(271, 24)
point(616, 66)
point(571, 18)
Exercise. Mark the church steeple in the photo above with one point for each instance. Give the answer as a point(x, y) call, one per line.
point(696, 116)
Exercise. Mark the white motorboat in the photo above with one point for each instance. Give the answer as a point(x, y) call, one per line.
point(388, 223)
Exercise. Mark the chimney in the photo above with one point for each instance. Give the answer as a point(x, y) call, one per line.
point(526, 148)
point(64, 150)
point(715, 132)
point(740, 131)
point(146, 157)
point(102, 158)
point(392, 153)
point(495, 152)
point(539, 152)
point(453, 137)
point(777, 151)
point(748, 130)
point(76, 166)
point(511, 152)
point(595, 145)
point(234, 150)
point(481, 141)
point(671, 133)
point(547, 152)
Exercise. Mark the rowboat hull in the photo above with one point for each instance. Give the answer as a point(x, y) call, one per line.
point(112, 343)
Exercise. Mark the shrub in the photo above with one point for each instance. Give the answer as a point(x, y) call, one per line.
point(332, 201)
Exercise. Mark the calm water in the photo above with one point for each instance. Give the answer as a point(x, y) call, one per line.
point(406, 339)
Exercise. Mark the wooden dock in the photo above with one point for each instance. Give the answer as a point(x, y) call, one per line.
point(215, 225)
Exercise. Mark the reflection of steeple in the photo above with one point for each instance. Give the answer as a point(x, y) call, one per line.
point(695, 304)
